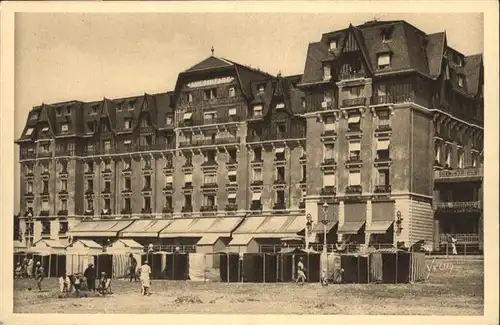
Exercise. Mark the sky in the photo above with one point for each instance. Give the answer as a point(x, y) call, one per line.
point(88, 56)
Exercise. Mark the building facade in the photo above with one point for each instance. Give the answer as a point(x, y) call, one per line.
point(372, 137)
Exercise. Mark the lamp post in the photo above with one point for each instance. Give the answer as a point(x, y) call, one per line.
point(325, 223)
point(308, 229)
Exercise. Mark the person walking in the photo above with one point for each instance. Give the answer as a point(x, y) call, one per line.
point(301, 276)
point(29, 268)
point(132, 268)
point(145, 278)
point(39, 275)
point(90, 275)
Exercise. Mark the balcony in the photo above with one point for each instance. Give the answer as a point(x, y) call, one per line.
point(383, 129)
point(186, 209)
point(470, 206)
point(127, 190)
point(203, 122)
point(44, 154)
point(167, 210)
point(146, 189)
point(44, 213)
point(329, 162)
point(29, 194)
point(105, 212)
point(329, 191)
point(64, 153)
point(28, 155)
point(352, 102)
point(329, 134)
point(354, 160)
point(351, 75)
point(302, 205)
point(209, 163)
point(353, 189)
point(208, 208)
point(89, 191)
point(63, 193)
point(106, 171)
point(458, 175)
point(45, 192)
point(88, 212)
point(382, 160)
point(257, 183)
point(257, 162)
point(461, 238)
point(231, 207)
point(126, 211)
point(279, 206)
point(280, 181)
point(146, 210)
point(382, 189)
point(210, 186)
point(168, 188)
point(394, 99)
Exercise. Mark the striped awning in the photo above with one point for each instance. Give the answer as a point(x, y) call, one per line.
point(145, 228)
point(99, 228)
point(351, 227)
point(379, 227)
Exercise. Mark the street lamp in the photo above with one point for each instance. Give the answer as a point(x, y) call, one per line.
point(325, 223)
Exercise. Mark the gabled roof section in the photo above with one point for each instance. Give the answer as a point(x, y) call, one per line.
point(313, 70)
point(163, 108)
point(473, 69)
point(147, 109)
point(212, 62)
point(108, 112)
point(47, 116)
point(436, 44)
point(357, 34)
point(31, 123)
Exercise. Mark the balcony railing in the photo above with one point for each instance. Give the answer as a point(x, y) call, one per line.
point(255, 206)
point(208, 208)
point(209, 142)
point(280, 181)
point(28, 155)
point(353, 189)
point(210, 162)
point(88, 212)
point(302, 205)
point(351, 75)
point(461, 238)
point(231, 207)
point(279, 206)
point(329, 190)
point(218, 120)
point(209, 185)
point(60, 153)
point(329, 162)
point(44, 154)
point(106, 212)
point(462, 173)
point(187, 186)
point(146, 210)
point(394, 99)
point(257, 183)
point(187, 209)
point(382, 189)
point(353, 102)
point(126, 211)
point(383, 128)
point(470, 206)
point(167, 210)
point(44, 213)
point(329, 133)
point(355, 159)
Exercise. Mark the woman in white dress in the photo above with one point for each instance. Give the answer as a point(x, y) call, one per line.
point(145, 278)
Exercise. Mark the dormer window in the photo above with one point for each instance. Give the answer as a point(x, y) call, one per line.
point(333, 44)
point(168, 120)
point(387, 34)
point(210, 94)
point(261, 88)
point(232, 92)
point(119, 106)
point(29, 131)
point(128, 124)
point(94, 110)
point(68, 110)
point(131, 105)
point(280, 105)
point(64, 127)
point(327, 72)
point(460, 81)
point(58, 111)
point(34, 116)
point(45, 129)
point(189, 97)
point(384, 60)
point(257, 110)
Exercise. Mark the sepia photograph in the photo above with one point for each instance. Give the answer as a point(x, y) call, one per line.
point(275, 163)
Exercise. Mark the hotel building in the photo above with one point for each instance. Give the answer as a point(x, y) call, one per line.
point(377, 132)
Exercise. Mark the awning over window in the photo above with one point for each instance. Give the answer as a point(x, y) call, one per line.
point(187, 116)
point(200, 227)
point(351, 228)
point(232, 173)
point(295, 224)
point(320, 228)
point(256, 196)
point(231, 196)
point(329, 180)
point(188, 178)
point(101, 228)
point(240, 240)
point(208, 240)
point(145, 228)
point(47, 247)
point(169, 179)
point(383, 144)
point(354, 119)
point(379, 227)
point(355, 146)
point(280, 150)
point(272, 227)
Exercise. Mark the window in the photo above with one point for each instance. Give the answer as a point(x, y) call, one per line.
point(231, 198)
point(119, 106)
point(107, 186)
point(257, 154)
point(437, 152)
point(188, 160)
point(383, 118)
point(189, 97)
point(64, 185)
point(63, 226)
point(126, 204)
point(256, 196)
point(131, 105)
point(45, 187)
point(333, 44)
point(107, 165)
point(327, 97)
point(280, 105)
point(384, 60)
point(188, 178)
point(90, 167)
point(169, 179)
point(354, 178)
point(45, 205)
point(29, 187)
point(94, 110)
point(128, 124)
point(232, 111)
point(387, 34)
point(90, 184)
point(474, 157)
point(383, 177)
point(304, 172)
point(187, 201)
point(29, 131)
point(210, 94)
point(261, 88)
point(168, 202)
point(209, 200)
point(448, 156)
point(257, 110)
point(233, 155)
point(280, 174)
point(327, 72)
point(329, 153)
point(168, 120)
point(126, 164)
point(107, 205)
point(68, 110)
point(147, 202)
point(29, 169)
point(45, 129)
point(329, 125)
point(354, 92)
point(355, 150)
point(147, 163)
point(34, 116)
point(64, 167)
point(64, 127)
point(210, 156)
point(257, 174)
point(460, 81)
point(232, 92)
point(461, 159)
point(128, 183)
point(281, 129)
point(210, 117)
point(144, 123)
point(279, 154)
point(303, 101)
point(58, 111)
point(107, 146)
point(354, 122)
point(45, 168)
point(147, 182)
point(45, 227)
point(64, 204)
point(328, 180)
point(382, 149)
point(232, 176)
point(280, 197)
point(209, 178)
